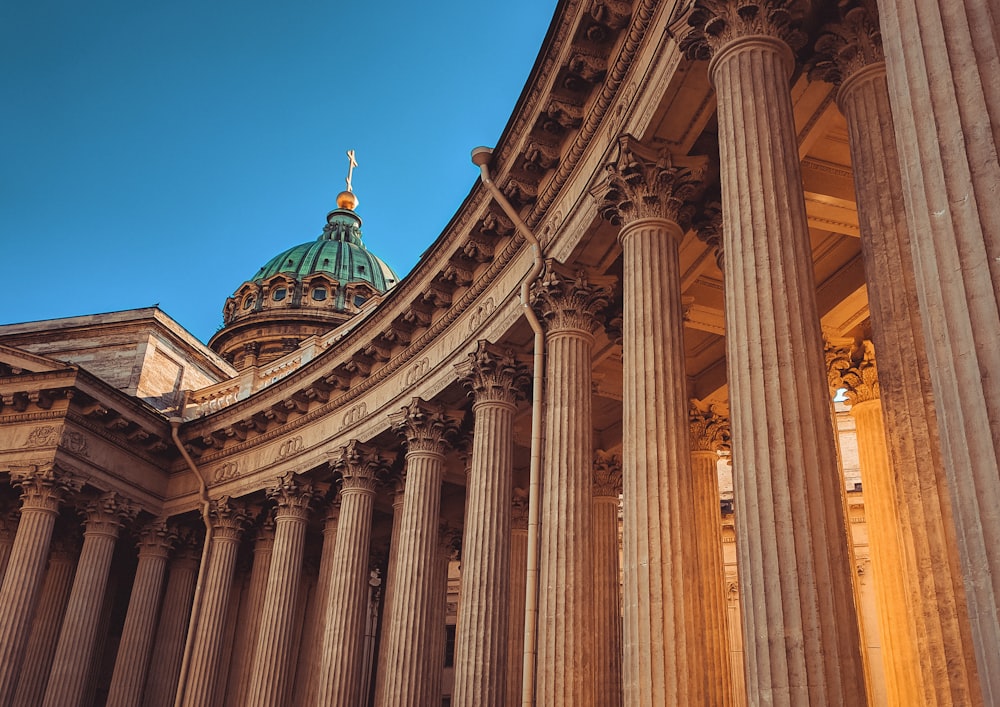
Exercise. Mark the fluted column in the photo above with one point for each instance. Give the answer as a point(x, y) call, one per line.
point(9, 515)
point(228, 519)
point(168, 651)
point(850, 56)
point(341, 665)
point(568, 303)
point(68, 679)
point(42, 491)
point(497, 381)
point(427, 429)
point(647, 192)
point(251, 608)
point(449, 549)
point(517, 589)
point(313, 645)
point(941, 62)
point(800, 622)
point(48, 620)
point(607, 592)
point(709, 434)
point(269, 675)
point(136, 643)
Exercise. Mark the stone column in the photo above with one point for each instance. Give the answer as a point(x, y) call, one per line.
point(517, 589)
point(568, 303)
point(710, 434)
point(802, 638)
point(228, 518)
point(276, 637)
point(449, 549)
point(942, 62)
point(250, 611)
point(165, 664)
point(497, 380)
point(74, 651)
point(607, 592)
point(48, 620)
point(850, 56)
point(136, 643)
point(8, 528)
point(427, 429)
point(313, 645)
point(399, 485)
point(647, 192)
point(341, 664)
point(42, 491)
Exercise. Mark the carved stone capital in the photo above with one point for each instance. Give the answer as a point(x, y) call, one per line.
point(426, 427)
point(9, 515)
point(607, 475)
point(646, 182)
point(361, 466)
point(568, 300)
point(156, 538)
point(708, 227)
point(229, 517)
point(709, 427)
point(293, 495)
point(519, 509)
point(849, 45)
point(861, 378)
point(187, 545)
point(494, 374)
point(106, 514)
point(713, 24)
point(450, 540)
point(43, 487)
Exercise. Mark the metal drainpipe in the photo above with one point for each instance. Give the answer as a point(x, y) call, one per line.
point(481, 157)
point(175, 423)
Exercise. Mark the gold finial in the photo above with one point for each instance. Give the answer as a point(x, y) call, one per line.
point(346, 199)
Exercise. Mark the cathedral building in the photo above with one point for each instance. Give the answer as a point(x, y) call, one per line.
point(588, 452)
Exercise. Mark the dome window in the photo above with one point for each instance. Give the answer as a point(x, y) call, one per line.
point(279, 294)
point(248, 302)
point(319, 294)
point(361, 268)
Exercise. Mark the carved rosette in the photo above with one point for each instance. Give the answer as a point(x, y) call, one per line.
point(567, 300)
point(229, 517)
point(426, 427)
point(607, 475)
point(494, 374)
point(360, 466)
point(156, 538)
point(519, 509)
point(715, 23)
point(649, 183)
point(845, 47)
point(43, 487)
point(106, 514)
point(709, 427)
point(293, 496)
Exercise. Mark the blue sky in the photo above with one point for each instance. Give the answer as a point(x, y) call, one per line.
point(160, 153)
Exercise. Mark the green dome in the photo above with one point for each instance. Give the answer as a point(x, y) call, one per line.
point(338, 252)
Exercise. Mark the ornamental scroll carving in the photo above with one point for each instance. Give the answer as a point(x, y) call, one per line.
point(44, 436)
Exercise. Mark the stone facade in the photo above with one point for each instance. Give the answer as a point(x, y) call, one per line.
point(501, 484)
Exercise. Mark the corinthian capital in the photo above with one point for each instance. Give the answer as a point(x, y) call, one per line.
point(360, 466)
point(494, 374)
point(107, 513)
point(293, 495)
point(571, 300)
point(849, 45)
point(648, 182)
point(156, 538)
point(859, 374)
point(607, 474)
point(43, 487)
point(712, 24)
point(229, 517)
point(426, 427)
point(709, 427)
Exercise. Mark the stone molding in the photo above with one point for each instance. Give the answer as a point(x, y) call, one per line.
point(426, 427)
point(648, 182)
point(494, 374)
point(607, 474)
point(571, 300)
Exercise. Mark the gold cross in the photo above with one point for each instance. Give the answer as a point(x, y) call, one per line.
point(350, 169)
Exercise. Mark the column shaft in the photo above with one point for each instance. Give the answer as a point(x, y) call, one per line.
point(165, 664)
point(382, 667)
point(45, 627)
point(481, 661)
point(800, 622)
point(517, 588)
point(942, 60)
point(313, 642)
point(607, 602)
point(916, 482)
point(250, 612)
